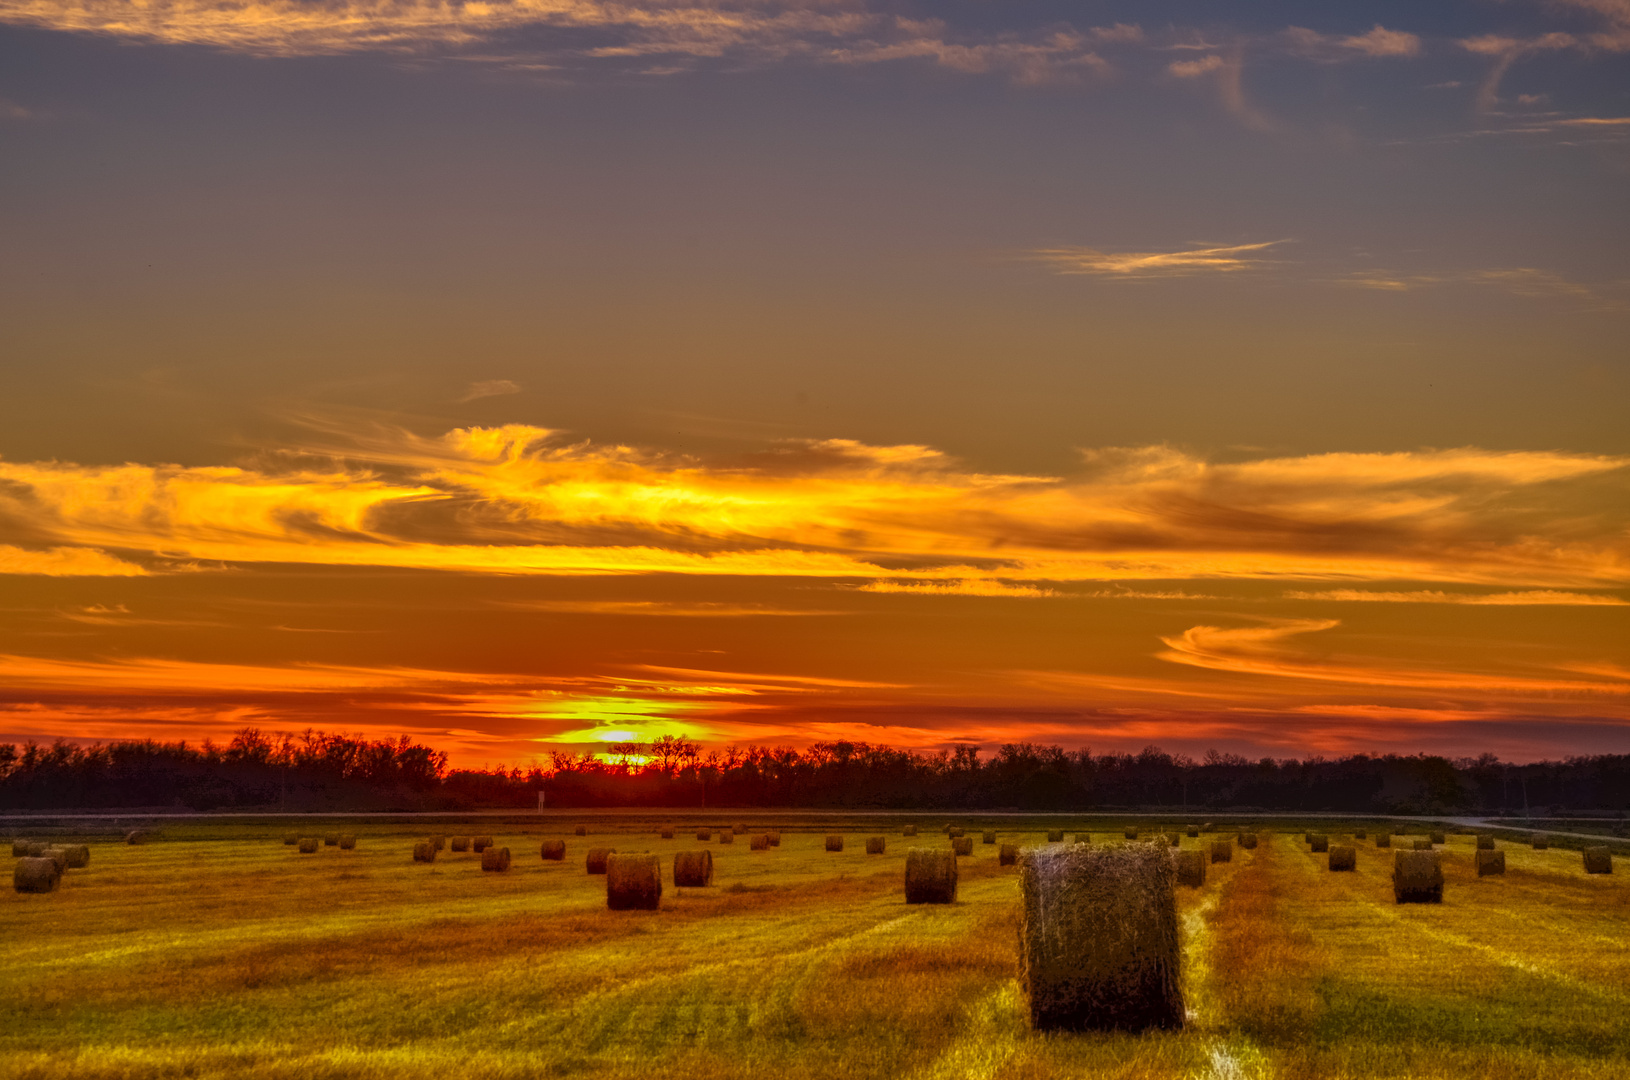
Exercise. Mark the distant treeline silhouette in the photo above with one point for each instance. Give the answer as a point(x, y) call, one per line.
point(318, 771)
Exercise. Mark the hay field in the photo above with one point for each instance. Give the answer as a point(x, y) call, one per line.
point(221, 952)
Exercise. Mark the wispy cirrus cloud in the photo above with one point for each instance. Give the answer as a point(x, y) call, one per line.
point(66, 562)
point(1526, 598)
point(1525, 281)
point(1142, 265)
point(490, 388)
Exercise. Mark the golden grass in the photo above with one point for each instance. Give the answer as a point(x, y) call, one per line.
point(206, 952)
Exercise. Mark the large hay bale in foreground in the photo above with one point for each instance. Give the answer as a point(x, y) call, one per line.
point(988, 837)
point(1417, 877)
point(1319, 842)
point(459, 843)
point(553, 850)
point(331, 839)
point(930, 876)
point(1343, 857)
point(1247, 840)
point(1598, 860)
point(35, 874)
point(775, 838)
point(633, 882)
point(875, 845)
point(760, 842)
point(1541, 842)
point(1131, 834)
point(581, 830)
point(962, 845)
point(1485, 842)
point(291, 838)
point(1098, 940)
point(1222, 851)
point(1055, 836)
point(79, 856)
point(1383, 839)
point(424, 851)
point(704, 834)
point(909, 830)
point(308, 845)
point(1438, 837)
point(1420, 845)
point(834, 843)
point(1007, 855)
point(1191, 868)
point(348, 841)
point(495, 858)
point(595, 862)
point(693, 869)
point(478, 844)
point(667, 832)
point(1490, 862)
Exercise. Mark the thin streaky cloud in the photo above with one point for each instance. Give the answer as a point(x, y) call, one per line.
point(1153, 264)
point(490, 388)
point(66, 562)
point(1529, 597)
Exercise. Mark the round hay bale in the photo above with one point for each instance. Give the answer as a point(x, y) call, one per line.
point(1173, 840)
point(1131, 834)
point(1360, 834)
point(1490, 862)
point(1247, 840)
point(1222, 851)
point(1007, 855)
point(1193, 830)
point(478, 844)
point(760, 842)
point(79, 856)
point(459, 843)
point(37, 849)
point(633, 882)
point(988, 838)
point(1191, 868)
point(495, 858)
point(1343, 857)
point(956, 833)
point(1383, 839)
point(135, 836)
point(1541, 842)
point(962, 845)
point(439, 841)
point(834, 843)
point(553, 850)
point(1485, 842)
point(19, 849)
point(1417, 877)
point(308, 845)
point(704, 834)
point(875, 845)
point(348, 841)
point(1055, 836)
point(1420, 845)
point(291, 838)
point(1319, 842)
point(581, 830)
point(36, 874)
point(930, 876)
point(1598, 860)
point(739, 830)
point(909, 830)
point(1307, 837)
point(331, 839)
point(726, 836)
point(424, 851)
point(596, 860)
point(775, 838)
point(1098, 938)
point(1082, 838)
point(58, 856)
point(667, 832)
point(693, 869)
point(1438, 837)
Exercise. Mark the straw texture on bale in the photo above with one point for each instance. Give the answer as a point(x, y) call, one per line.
point(930, 876)
point(37, 849)
point(440, 841)
point(1485, 842)
point(291, 838)
point(495, 858)
point(1343, 857)
point(1131, 834)
point(348, 842)
point(581, 830)
point(35, 874)
point(962, 845)
point(553, 850)
point(596, 860)
point(909, 830)
point(459, 843)
point(989, 838)
point(875, 845)
point(424, 851)
point(1598, 860)
point(633, 882)
point(1191, 869)
point(775, 838)
point(331, 839)
point(693, 869)
point(704, 834)
point(760, 842)
point(1417, 877)
point(1490, 862)
point(308, 845)
point(79, 856)
point(1438, 838)
point(1247, 840)
point(1008, 855)
point(1421, 845)
point(479, 844)
point(726, 836)
point(1319, 842)
point(834, 843)
point(19, 848)
point(1383, 839)
point(1541, 843)
point(1098, 938)
point(667, 832)
point(1193, 830)
point(1055, 836)
point(58, 856)
point(135, 836)
point(1222, 851)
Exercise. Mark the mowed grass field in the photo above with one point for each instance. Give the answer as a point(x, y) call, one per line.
point(220, 952)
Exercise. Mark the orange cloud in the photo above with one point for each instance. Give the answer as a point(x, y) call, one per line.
point(1532, 597)
point(66, 562)
point(1137, 265)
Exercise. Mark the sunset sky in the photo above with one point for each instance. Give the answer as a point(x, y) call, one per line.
point(533, 375)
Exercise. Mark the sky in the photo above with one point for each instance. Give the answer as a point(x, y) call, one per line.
point(536, 375)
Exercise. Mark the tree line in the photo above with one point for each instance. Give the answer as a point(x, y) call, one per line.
point(315, 770)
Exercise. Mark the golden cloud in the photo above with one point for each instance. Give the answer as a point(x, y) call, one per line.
point(1152, 264)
